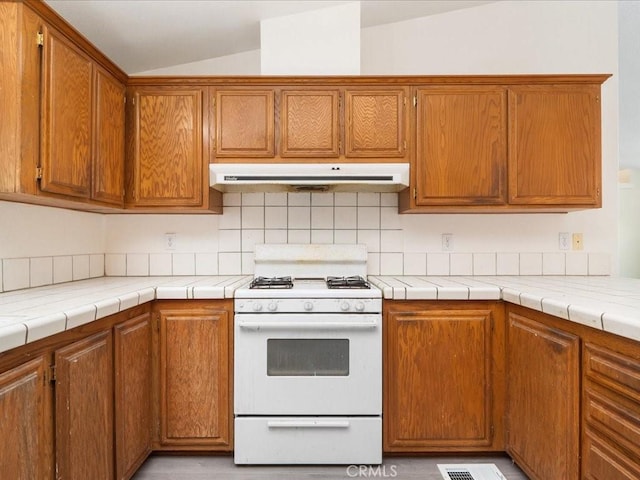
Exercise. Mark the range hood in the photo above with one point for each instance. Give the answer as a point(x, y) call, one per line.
point(339, 177)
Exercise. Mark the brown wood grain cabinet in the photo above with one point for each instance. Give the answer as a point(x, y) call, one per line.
point(26, 421)
point(195, 375)
point(554, 145)
point(84, 409)
point(543, 397)
point(133, 405)
point(461, 145)
point(167, 167)
point(443, 376)
point(243, 123)
point(611, 412)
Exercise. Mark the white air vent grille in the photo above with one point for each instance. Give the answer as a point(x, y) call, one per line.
point(478, 471)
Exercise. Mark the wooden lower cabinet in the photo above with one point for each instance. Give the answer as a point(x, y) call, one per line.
point(25, 421)
point(611, 412)
point(133, 407)
point(84, 409)
point(443, 376)
point(195, 400)
point(543, 397)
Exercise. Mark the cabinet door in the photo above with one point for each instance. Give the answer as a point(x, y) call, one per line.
point(108, 164)
point(25, 422)
point(67, 79)
point(376, 123)
point(554, 145)
point(133, 409)
point(461, 153)
point(168, 160)
point(244, 123)
point(195, 378)
point(543, 421)
point(438, 380)
point(84, 409)
point(309, 123)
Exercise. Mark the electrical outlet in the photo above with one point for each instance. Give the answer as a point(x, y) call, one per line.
point(447, 242)
point(564, 241)
point(170, 241)
point(577, 241)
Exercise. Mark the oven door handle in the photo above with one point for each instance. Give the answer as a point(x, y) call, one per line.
point(307, 424)
point(307, 325)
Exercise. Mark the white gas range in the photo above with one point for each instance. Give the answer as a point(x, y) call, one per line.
point(308, 359)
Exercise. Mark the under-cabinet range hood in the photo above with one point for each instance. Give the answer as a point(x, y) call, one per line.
point(369, 177)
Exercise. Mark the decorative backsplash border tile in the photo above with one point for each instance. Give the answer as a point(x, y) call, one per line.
point(26, 272)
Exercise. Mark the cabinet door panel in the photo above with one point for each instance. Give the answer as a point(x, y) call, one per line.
point(309, 123)
point(375, 123)
point(133, 410)
point(554, 145)
point(66, 118)
point(438, 380)
point(168, 161)
point(84, 409)
point(244, 122)
point(194, 378)
point(25, 422)
point(461, 146)
point(108, 165)
point(543, 399)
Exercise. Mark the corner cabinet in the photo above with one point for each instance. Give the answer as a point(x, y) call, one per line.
point(167, 166)
point(506, 144)
point(543, 396)
point(443, 376)
point(194, 375)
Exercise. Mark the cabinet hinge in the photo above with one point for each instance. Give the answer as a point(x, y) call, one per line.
point(404, 144)
point(38, 173)
point(492, 429)
point(50, 375)
point(415, 193)
point(40, 39)
point(404, 100)
point(415, 100)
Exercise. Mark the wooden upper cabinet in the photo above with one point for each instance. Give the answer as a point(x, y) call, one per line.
point(554, 145)
point(168, 163)
point(543, 397)
point(309, 123)
point(461, 146)
point(25, 403)
point(244, 123)
point(376, 123)
point(108, 165)
point(84, 409)
point(67, 79)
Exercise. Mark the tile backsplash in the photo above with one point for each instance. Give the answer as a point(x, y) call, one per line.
point(395, 245)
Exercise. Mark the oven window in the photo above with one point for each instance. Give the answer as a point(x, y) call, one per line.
point(312, 357)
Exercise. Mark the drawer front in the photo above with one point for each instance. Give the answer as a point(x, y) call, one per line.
point(619, 420)
point(613, 370)
point(601, 461)
point(308, 440)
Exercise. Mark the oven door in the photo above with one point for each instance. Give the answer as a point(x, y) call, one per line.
point(308, 364)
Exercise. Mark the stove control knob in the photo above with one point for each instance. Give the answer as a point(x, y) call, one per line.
point(273, 306)
point(344, 306)
point(360, 307)
point(257, 307)
point(308, 306)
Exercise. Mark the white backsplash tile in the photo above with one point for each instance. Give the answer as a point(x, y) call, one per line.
point(275, 199)
point(507, 264)
point(80, 267)
point(15, 273)
point(599, 264)
point(247, 263)
point(368, 217)
point(389, 218)
point(63, 269)
point(461, 264)
point(415, 263)
point(96, 265)
point(345, 236)
point(322, 217)
point(230, 219)
point(299, 236)
point(160, 264)
point(137, 264)
point(250, 238)
point(206, 263)
point(231, 200)
point(484, 264)
point(300, 199)
point(553, 263)
point(229, 240)
point(391, 264)
point(183, 264)
point(368, 199)
point(115, 264)
point(299, 217)
point(322, 236)
point(322, 199)
point(389, 199)
point(275, 236)
point(345, 217)
point(391, 241)
point(252, 217)
point(370, 238)
point(229, 263)
point(577, 263)
point(254, 198)
point(345, 199)
point(373, 264)
point(531, 264)
point(41, 271)
point(275, 217)
point(437, 264)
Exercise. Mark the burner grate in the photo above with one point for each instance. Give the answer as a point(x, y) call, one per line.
point(355, 281)
point(271, 282)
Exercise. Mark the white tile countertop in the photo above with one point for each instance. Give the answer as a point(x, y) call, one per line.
point(31, 314)
point(606, 303)
point(611, 304)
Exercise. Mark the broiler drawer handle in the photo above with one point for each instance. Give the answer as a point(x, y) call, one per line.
point(307, 424)
point(306, 325)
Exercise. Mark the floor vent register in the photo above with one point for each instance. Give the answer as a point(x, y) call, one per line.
point(476, 471)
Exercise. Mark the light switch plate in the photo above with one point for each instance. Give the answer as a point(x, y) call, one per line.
point(577, 241)
point(447, 242)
